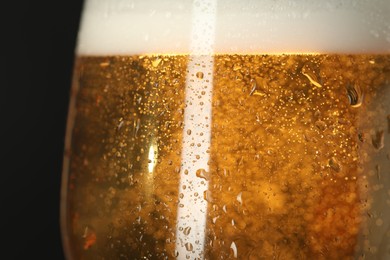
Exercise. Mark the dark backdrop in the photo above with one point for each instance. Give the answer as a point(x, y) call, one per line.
point(36, 68)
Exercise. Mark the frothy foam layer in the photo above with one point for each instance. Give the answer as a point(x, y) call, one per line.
point(144, 27)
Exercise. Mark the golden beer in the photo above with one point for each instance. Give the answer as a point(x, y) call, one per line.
point(228, 156)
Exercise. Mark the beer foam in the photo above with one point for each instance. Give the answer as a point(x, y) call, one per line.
point(242, 26)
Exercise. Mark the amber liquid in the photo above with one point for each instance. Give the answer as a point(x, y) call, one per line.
point(298, 157)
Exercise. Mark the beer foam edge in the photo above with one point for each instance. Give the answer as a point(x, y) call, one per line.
point(243, 27)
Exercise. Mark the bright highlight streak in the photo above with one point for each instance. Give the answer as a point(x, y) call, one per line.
point(151, 158)
point(192, 208)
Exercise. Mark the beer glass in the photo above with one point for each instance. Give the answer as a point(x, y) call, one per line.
point(235, 129)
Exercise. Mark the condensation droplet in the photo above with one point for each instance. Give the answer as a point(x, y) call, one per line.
point(311, 77)
point(189, 246)
point(189, 131)
point(187, 231)
point(156, 62)
point(199, 75)
point(207, 196)
point(89, 237)
point(239, 198)
point(378, 140)
point(334, 164)
point(137, 125)
point(379, 222)
point(355, 95)
point(233, 247)
point(378, 171)
point(201, 173)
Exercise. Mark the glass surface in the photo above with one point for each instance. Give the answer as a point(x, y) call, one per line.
point(229, 130)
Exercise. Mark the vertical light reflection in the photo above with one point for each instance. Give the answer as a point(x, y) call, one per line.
point(149, 181)
point(152, 157)
point(192, 208)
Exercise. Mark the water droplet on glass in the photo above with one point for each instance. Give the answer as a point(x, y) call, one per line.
point(334, 164)
point(378, 171)
point(189, 246)
point(355, 95)
point(379, 222)
point(199, 75)
point(201, 173)
point(156, 62)
point(207, 196)
point(378, 140)
point(189, 132)
point(89, 237)
point(239, 198)
point(187, 231)
point(233, 247)
point(311, 76)
point(137, 124)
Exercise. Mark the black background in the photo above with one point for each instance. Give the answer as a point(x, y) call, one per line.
point(38, 39)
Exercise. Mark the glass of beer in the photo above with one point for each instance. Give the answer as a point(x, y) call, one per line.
point(234, 129)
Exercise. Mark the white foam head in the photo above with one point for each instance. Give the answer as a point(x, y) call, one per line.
point(242, 26)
